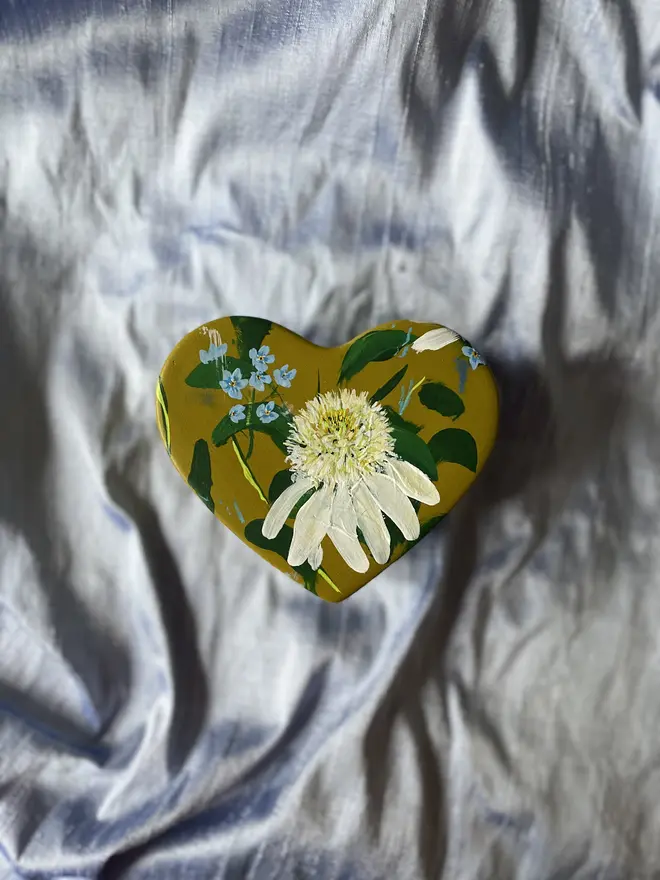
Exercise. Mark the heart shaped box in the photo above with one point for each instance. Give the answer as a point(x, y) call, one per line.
point(330, 463)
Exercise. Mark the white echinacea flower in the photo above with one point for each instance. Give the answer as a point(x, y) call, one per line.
point(434, 340)
point(341, 448)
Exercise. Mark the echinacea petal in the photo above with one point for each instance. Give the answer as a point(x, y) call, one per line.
point(414, 482)
point(434, 340)
point(343, 531)
point(282, 507)
point(371, 523)
point(395, 504)
point(315, 558)
point(310, 526)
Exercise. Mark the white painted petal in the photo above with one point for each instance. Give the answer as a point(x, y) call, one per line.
point(310, 527)
point(434, 340)
point(414, 482)
point(343, 531)
point(283, 505)
point(371, 523)
point(315, 558)
point(393, 502)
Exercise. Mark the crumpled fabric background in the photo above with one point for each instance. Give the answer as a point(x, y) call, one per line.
point(170, 707)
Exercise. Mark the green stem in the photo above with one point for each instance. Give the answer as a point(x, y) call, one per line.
point(247, 470)
point(251, 441)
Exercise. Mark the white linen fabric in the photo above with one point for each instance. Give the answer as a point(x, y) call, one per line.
point(172, 707)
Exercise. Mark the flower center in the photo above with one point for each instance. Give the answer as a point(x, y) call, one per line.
point(339, 437)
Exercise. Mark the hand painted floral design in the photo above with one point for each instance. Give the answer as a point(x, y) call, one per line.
point(341, 449)
point(434, 340)
point(257, 380)
point(261, 358)
point(213, 353)
point(237, 413)
point(473, 356)
point(284, 375)
point(233, 383)
point(266, 412)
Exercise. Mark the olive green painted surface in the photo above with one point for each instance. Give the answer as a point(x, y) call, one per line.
point(419, 419)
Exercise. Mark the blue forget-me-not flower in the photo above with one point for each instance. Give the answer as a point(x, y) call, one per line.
point(260, 359)
point(237, 413)
point(266, 412)
point(284, 375)
point(214, 353)
point(233, 383)
point(473, 356)
point(257, 380)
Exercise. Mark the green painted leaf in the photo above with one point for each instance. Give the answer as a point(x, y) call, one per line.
point(280, 545)
point(163, 395)
point(413, 449)
point(377, 345)
point(277, 430)
point(280, 482)
point(456, 446)
point(389, 386)
point(205, 376)
point(250, 333)
point(199, 477)
point(164, 415)
point(397, 421)
point(243, 364)
point(224, 430)
point(437, 396)
point(209, 375)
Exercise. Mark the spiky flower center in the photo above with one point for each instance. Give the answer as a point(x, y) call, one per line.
point(339, 437)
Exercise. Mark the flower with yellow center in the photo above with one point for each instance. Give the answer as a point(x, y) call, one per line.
point(341, 450)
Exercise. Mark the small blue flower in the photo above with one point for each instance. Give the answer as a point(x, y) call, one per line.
point(237, 413)
point(260, 359)
point(257, 380)
point(214, 353)
point(265, 411)
point(233, 383)
point(474, 356)
point(284, 375)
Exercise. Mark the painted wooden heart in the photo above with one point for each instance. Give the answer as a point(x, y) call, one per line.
point(329, 463)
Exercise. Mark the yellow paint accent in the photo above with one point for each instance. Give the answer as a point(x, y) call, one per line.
point(165, 415)
point(249, 476)
point(416, 386)
point(327, 579)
